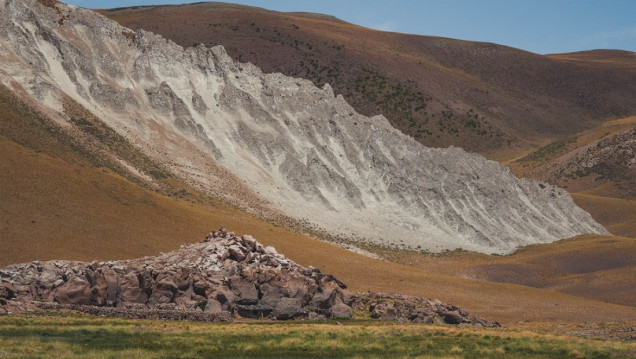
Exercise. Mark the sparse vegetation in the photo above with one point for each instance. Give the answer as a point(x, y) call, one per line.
point(72, 336)
point(548, 151)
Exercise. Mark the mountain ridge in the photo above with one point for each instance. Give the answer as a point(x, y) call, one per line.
point(201, 113)
point(485, 97)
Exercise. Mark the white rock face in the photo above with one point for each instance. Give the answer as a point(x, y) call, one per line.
point(302, 149)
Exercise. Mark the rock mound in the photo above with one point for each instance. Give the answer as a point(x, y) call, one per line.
point(220, 278)
point(223, 274)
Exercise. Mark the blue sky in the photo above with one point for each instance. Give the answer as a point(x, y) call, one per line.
point(540, 26)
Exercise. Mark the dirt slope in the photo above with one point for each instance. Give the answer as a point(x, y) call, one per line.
point(480, 96)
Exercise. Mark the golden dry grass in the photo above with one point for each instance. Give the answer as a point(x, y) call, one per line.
point(616, 214)
point(591, 266)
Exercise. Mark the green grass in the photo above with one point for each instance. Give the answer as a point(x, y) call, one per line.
point(73, 336)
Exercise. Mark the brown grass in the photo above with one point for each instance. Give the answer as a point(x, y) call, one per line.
point(616, 214)
point(591, 266)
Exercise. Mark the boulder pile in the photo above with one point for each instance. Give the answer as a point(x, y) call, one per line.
point(221, 278)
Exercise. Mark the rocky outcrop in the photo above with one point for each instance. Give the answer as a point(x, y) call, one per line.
point(391, 307)
point(301, 150)
point(222, 274)
point(222, 277)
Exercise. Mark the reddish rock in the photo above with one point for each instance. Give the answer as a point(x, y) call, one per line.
point(244, 290)
point(129, 290)
point(75, 291)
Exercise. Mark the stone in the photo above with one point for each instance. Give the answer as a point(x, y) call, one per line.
point(424, 320)
point(48, 279)
point(341, 310)
point(213, 306)
point(453, 317)
point(253, 311)
point(236, 253)
point(163, 291)
point(112, 284)
point(287, 308)
point(99, 290)
point(177, 284)
point(272, 294)
point(75, 291)
point(201, 285)
point(250, 242)
point(244, 290)
point(7, 290)
point(129, 290)
point(326, 298)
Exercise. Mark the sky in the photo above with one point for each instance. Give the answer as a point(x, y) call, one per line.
point(540, 26)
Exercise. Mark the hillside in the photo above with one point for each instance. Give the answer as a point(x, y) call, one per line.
point(271, 144)
point(601, 160)
point(483, 97)
point(597, 166)
point(504, 103)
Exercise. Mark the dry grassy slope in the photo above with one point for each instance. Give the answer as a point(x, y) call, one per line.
point(590, 266)
point(440, 91)
point(616, 214)
point(595, 167)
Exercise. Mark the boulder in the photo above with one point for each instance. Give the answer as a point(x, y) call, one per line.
point(253, 311)
point(453, 317)
point(129, 290)
point(287, 308)
point(341, 310)
point(7, 290)
point(236, 253)
point(213, 306)
point(424, 320)
point(326, 298)
point(272, 294)
point(48, 279)
point(163, 291)
point(75, 291)
point(244, 290)
point(112, 285)
point(99, 290)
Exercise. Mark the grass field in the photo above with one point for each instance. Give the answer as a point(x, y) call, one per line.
point(73, 336)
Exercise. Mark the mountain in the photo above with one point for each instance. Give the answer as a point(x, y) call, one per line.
point(483, 97)
point(505, 103)
point(269, 143)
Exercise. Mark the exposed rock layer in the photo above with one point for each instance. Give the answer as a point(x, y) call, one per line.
point(301, 149)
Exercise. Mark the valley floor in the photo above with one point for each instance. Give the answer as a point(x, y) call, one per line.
point(72, 336)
